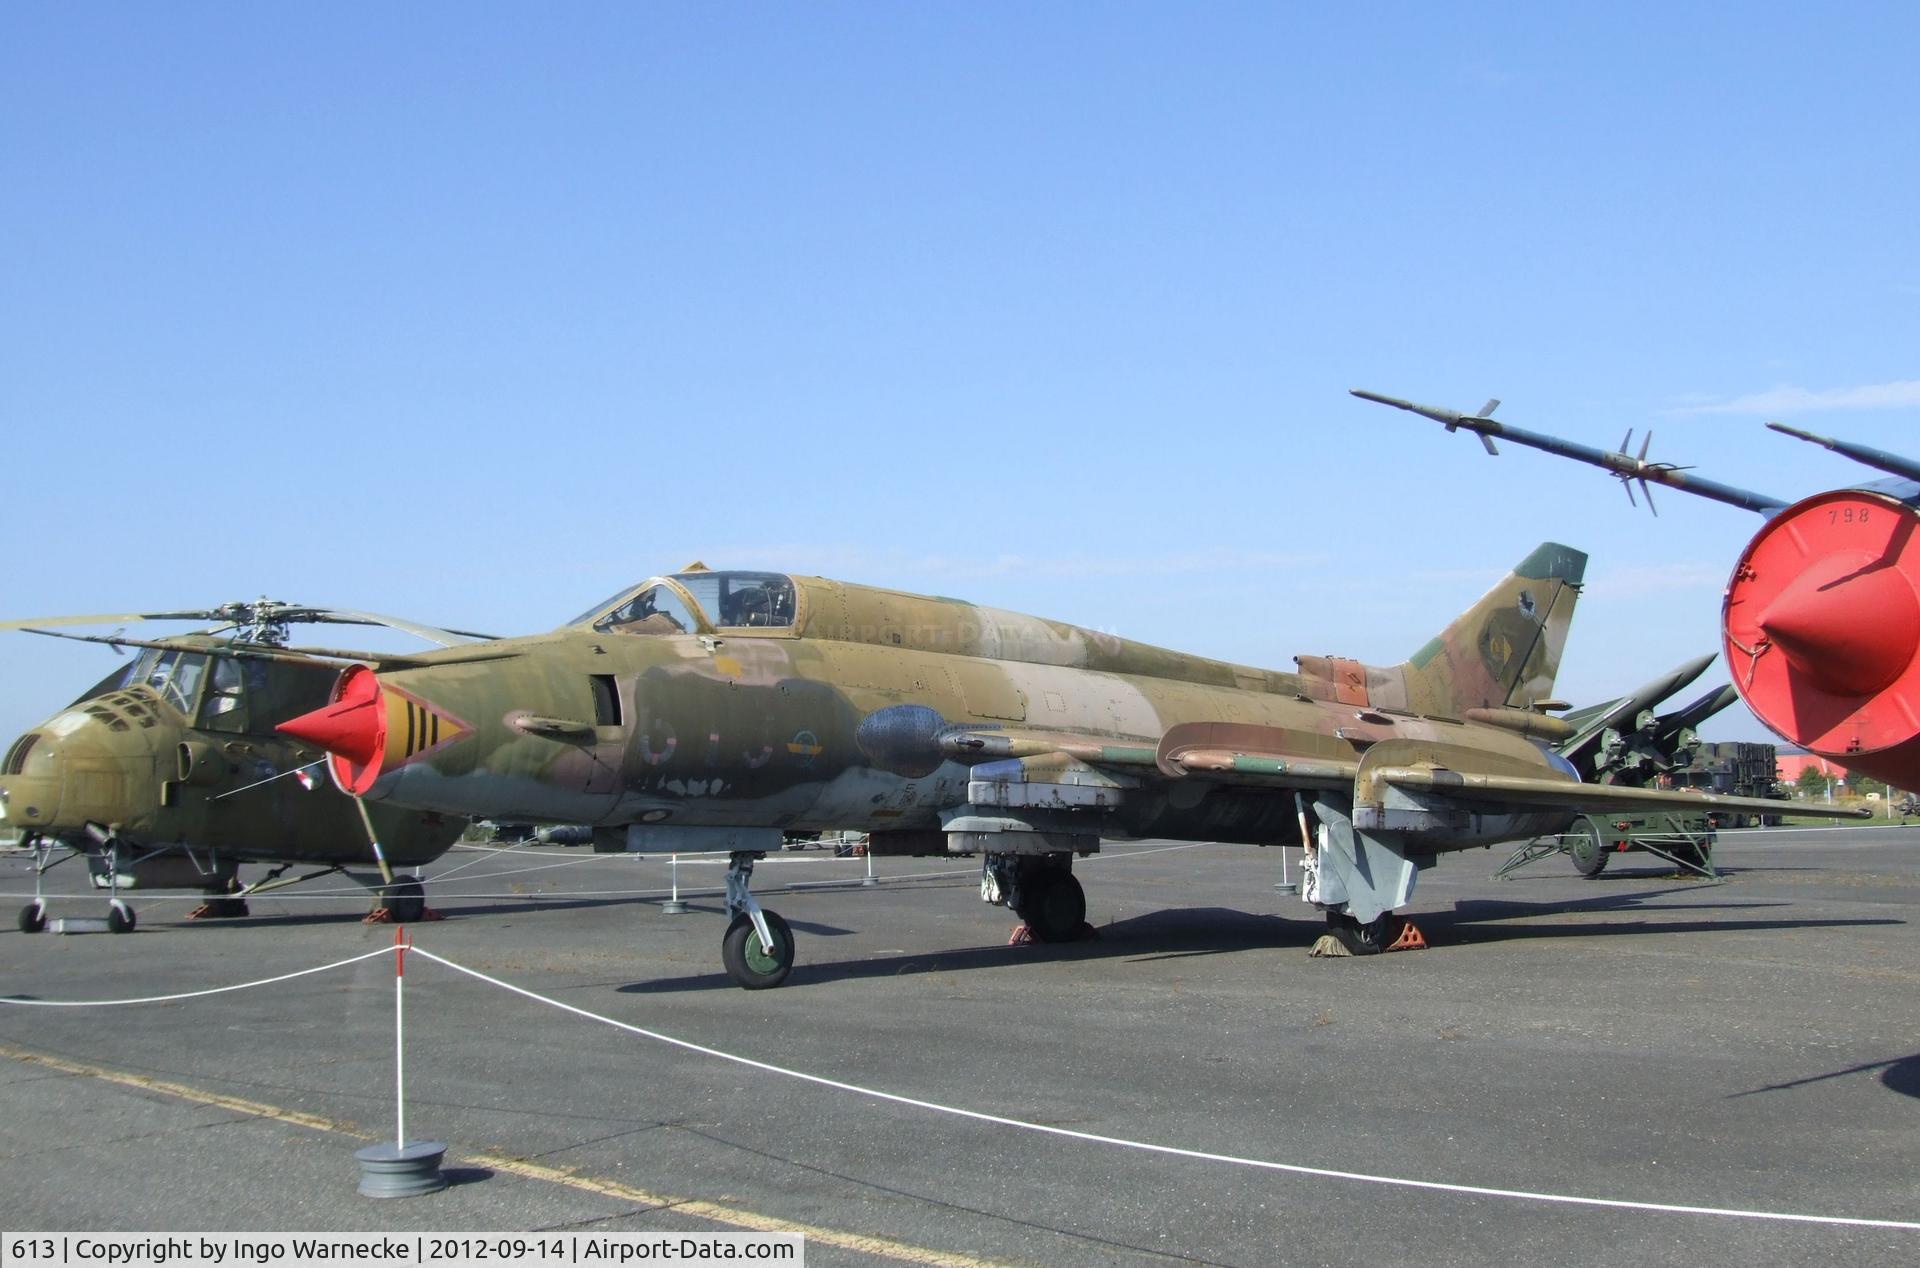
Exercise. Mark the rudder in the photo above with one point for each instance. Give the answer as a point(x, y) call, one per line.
point(1505, 649)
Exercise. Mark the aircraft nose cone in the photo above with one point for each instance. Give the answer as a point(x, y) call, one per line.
point(1849, 626)
point(29, 780)
point(373, 729)
point(351, 726)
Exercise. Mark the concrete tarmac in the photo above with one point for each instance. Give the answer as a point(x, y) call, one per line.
point(1752, 1045)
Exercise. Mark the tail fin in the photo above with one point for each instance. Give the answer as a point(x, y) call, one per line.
point(1505, 649)
point(1502, 652)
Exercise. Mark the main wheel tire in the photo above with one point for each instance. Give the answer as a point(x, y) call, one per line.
point(406, 902)
point(33, 918)
point(1588, 849)
point(1369, 938)
point(750, 963)
point(119, 917)
point(1053, 905)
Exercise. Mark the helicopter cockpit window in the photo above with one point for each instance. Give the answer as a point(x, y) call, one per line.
point(136, 674)
point(176, 677)
point(655, 610)
point(763, 599)
point(225, 708)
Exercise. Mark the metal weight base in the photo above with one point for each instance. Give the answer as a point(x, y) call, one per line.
point(388, 1170)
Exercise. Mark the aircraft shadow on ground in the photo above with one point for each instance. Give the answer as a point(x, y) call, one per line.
point(1481, 920)
point(1189, 931)
point(1901, 1075)
point(1180, 933)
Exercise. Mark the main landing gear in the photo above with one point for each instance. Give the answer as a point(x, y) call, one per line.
point(222, 904)
point(758, 946)
point(1346, 936)
point(1041, 890)
point(406, 904)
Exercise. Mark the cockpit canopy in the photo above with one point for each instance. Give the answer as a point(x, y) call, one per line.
point(689, 601)
point(177, 676)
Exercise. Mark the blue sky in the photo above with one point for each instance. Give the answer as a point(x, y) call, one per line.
point(476, 312)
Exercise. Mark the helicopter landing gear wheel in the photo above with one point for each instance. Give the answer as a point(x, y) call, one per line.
point(406, 902)
point(119, 917)
point(750, 962)
point(33, 917)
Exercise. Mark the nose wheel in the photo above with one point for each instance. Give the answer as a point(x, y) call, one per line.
point(758, 947)
point(754, 963)
point(33, 917)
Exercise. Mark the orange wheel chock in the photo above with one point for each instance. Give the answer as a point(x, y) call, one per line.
point(1410, 939)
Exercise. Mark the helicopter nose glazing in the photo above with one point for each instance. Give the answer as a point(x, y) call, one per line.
point(90, 765)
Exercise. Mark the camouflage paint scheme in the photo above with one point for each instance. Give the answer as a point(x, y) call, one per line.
point(941, 725)
point(152, 770)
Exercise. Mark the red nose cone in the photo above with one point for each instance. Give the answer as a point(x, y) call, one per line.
point(1849, 623)
point(353, 728)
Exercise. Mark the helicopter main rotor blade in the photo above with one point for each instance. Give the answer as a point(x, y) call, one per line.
point(110, 618)
point(265, 612)
point(349, 616)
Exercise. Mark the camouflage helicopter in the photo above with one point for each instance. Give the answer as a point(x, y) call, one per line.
point(714, 710)
point(168, 773)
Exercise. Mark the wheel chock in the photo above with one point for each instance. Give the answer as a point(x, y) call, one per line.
point(382, 916)
point(1410, 939)
point(1328, 947)
point(1020, 937)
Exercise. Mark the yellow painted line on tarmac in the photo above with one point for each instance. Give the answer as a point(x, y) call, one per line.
point(180, 1090)
point(882, 1247)
point(733, 1216)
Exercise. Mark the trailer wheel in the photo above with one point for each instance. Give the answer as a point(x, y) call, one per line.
point(1588, 848)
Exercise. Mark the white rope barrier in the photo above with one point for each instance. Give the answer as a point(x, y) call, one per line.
point(166, 999)
point(1324, 1173)
point(998, 1120)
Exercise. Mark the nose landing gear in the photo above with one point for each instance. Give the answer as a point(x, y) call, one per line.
point(119, 917)
point(758, 947)
point(33, 916)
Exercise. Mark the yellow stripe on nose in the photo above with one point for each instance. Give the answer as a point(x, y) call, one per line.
point(414, 727)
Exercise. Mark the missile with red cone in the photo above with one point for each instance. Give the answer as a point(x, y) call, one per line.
point(1821, 621)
